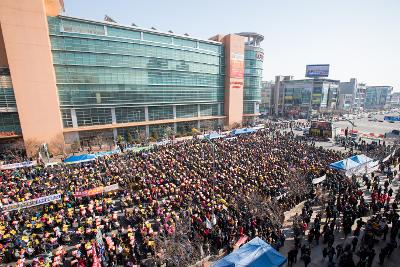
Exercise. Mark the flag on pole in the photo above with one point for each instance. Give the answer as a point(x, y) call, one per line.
point(96, 260)
point(100, 243)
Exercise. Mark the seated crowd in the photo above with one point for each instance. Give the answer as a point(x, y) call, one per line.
point(161, 192)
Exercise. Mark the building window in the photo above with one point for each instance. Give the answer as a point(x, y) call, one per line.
point(9, 122)
point(93, 116)
point(186, 111)
point(129, 114)
point(66, 118)
point(248, 107)
point(160, 113)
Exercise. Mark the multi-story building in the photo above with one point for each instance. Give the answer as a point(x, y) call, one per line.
point(377, 97)
point(352, 95)
point(304, 97)
point(266, 97)
point(359, 101)
point(278, 94)
point(253, 60)
point(74, 79)
point(347, 95)
point(395, 100)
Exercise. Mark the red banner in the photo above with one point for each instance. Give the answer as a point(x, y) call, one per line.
point(96, 191)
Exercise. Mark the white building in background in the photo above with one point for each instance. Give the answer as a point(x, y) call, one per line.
point(395, 100)
point(352, 95)
point(359, 101)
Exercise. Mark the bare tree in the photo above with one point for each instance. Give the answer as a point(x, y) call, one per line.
point(258, 206)
point(32, 147)
point(99, 140)
point(207, 125)
point(75, 146)
point(169, 132)
point(179, 248)
point(57, 145)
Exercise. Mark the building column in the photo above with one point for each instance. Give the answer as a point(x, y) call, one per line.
point(198, 125)
point(147, 131)
point(74, 119)
point(198, 111)
point(113, 117)
point(175, 127)
point(219, 109)
point(146, 113)
point(174, 111)
point(115, 134)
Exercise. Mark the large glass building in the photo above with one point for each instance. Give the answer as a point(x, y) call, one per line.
point(302, 98)
point(377, 97)
point(9, 120)
point(253, 66)
point(91, 78)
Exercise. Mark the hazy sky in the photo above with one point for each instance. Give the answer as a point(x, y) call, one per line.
point(358, 38)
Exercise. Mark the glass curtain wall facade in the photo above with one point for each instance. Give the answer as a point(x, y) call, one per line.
point(109, 74)
point(297, 98)
point(302, 97)
point(9, 119)
point(253, 61)
point(376, 97)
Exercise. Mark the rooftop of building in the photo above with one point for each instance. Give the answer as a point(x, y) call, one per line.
point(253, 38)
point(380, 86)
point(136, 28)
point(312, 80)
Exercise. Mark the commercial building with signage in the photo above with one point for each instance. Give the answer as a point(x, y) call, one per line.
point(71, 79)
point(301, 98)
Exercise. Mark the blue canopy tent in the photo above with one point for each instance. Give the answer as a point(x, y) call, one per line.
point(354, 165)
point(255, 253)
point(344, 164)
point(213, 136)
point(80, 158)
point(243, 131)
point(361, 159)
point(107, 153)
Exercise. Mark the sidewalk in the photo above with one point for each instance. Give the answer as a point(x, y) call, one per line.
point(316, 251)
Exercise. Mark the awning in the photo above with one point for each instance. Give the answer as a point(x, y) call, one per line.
point(80, 158)
point(213, 135)
point(243, 131)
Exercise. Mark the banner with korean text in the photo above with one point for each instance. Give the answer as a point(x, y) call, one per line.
point(31, 203)
point(97, 190)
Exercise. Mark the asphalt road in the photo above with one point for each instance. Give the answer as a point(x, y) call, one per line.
point(364, 125)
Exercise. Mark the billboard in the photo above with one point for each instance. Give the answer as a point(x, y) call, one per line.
point(237, 66)
point(321, 70)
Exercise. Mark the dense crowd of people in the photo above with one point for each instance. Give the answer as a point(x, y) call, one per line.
point(214, 188)
point(342, 215)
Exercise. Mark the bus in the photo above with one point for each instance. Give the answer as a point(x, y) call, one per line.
point(392, 118)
